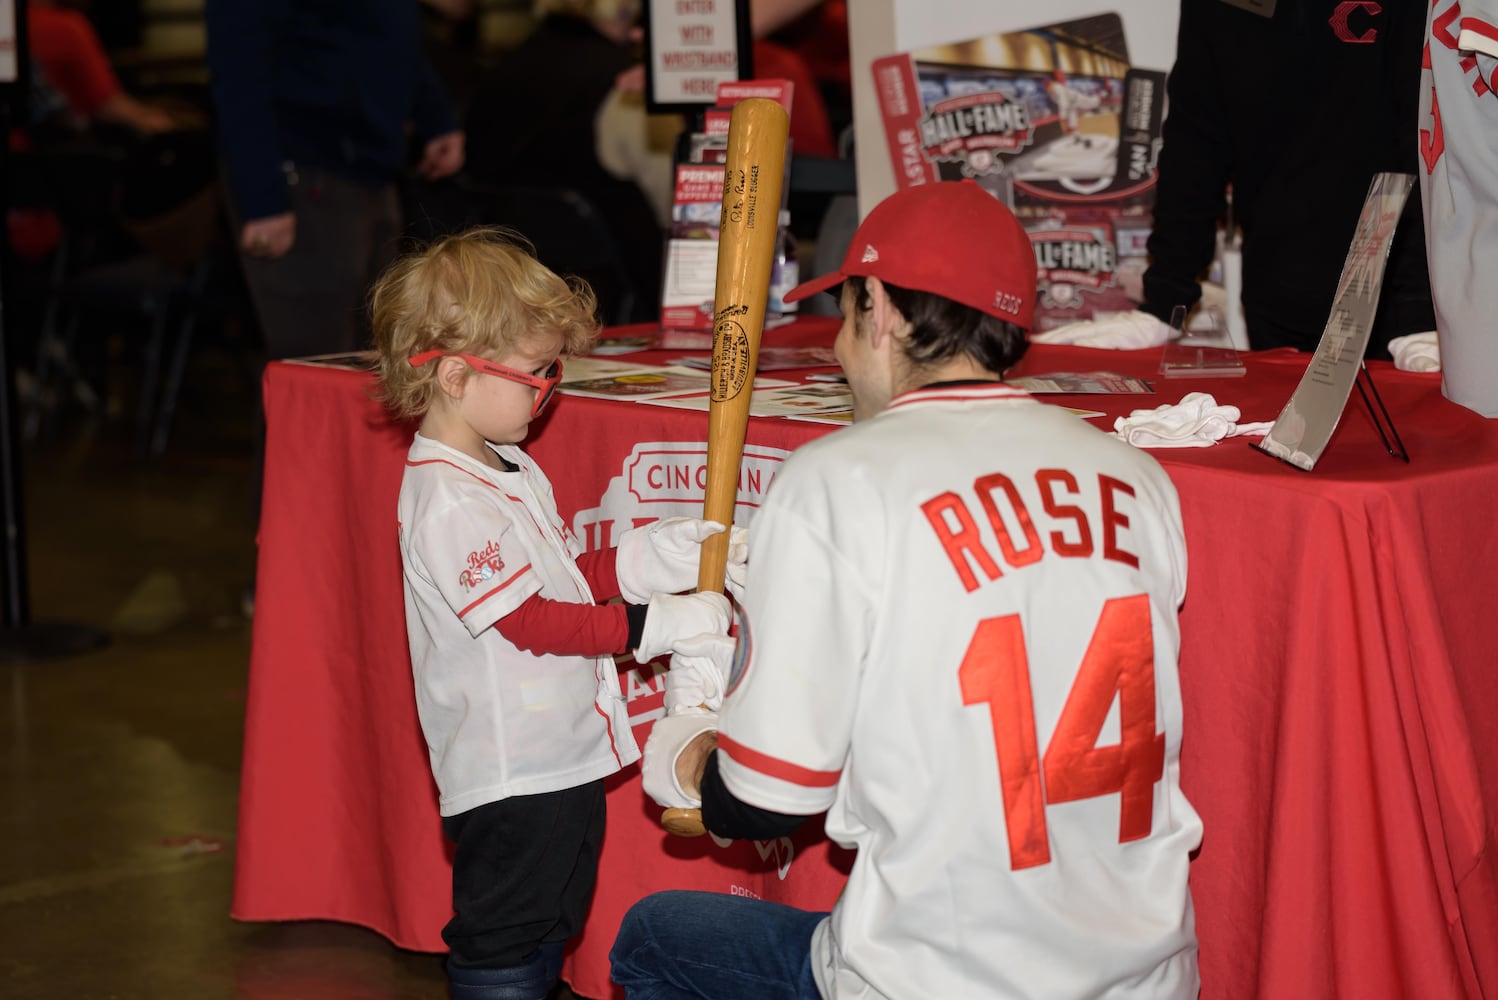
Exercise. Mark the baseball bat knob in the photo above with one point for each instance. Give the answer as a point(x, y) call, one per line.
point(683, 822)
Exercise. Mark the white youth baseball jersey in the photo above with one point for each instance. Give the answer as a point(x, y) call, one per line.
point(1459, 186)
point(962, 642)
point(498, 721)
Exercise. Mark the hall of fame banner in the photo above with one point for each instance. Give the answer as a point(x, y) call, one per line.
point(1054, 122)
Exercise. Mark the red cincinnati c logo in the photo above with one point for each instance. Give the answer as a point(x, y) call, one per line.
point(1343, 30)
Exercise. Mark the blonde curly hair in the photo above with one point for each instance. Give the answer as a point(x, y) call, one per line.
point(480, 292)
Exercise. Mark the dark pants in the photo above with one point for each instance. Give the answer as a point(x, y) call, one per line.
point(312, 301)
point(523, 877)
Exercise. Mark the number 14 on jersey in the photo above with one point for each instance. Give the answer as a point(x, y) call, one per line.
point(1120, 661)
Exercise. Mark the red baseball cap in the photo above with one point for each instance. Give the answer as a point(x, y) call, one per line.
point(950, 238)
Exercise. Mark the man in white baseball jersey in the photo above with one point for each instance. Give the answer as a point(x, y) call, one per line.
point(1459, 183)
point(959, 638)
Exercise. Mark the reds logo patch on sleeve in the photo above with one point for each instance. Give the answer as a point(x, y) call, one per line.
point(483, 564)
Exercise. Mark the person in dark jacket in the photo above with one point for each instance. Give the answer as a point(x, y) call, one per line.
point(532, 124)
point(317, 103)
point(1296, 112)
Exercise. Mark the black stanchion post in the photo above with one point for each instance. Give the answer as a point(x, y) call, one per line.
point(20, 640)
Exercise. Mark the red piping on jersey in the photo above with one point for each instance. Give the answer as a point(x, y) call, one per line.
point(774, 767)
point(470, 472)
point(455, 465)
point(508, 580)
point(1481, 28)
point(958, 394)
point(608, 724)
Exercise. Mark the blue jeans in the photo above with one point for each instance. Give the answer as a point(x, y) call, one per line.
point(708, 946)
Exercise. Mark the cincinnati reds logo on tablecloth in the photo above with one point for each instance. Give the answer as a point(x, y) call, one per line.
point(667, 479)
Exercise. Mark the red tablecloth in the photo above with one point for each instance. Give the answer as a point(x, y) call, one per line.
point(1338, 665)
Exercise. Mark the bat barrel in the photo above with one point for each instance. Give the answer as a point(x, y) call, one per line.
point(753, 175)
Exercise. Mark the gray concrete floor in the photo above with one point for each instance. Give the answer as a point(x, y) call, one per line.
point(121, 766)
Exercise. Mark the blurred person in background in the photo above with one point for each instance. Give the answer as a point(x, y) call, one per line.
point(318, 104)
point(1338, 91)
point(69, 56)
point(817, 31)
point(533, 122)
point(74, 89)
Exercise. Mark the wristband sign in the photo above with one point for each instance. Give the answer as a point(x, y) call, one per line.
point(691, 47)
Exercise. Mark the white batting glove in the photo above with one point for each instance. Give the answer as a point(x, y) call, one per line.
point(670, 618)
point(661, 558)
point(699, 673)
point(668, 738)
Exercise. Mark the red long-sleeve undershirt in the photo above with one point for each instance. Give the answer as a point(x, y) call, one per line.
point(566, 628)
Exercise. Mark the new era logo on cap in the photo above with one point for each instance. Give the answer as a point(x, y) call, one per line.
point(952, 239)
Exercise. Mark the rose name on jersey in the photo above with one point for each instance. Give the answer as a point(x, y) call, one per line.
point(995, 524)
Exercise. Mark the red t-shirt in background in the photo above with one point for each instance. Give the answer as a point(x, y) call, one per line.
point(811, 132)
point(72, 58)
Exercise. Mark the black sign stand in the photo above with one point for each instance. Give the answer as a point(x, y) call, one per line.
point(21, 641)
point(1380, 416)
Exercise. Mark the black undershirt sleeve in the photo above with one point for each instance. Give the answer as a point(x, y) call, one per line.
point(635, 613)
point(726, 816)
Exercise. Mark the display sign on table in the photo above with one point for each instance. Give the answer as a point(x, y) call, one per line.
point(1305, 425)
point(1054, 122)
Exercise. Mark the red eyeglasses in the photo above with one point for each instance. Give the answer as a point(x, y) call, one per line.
point(545, 385)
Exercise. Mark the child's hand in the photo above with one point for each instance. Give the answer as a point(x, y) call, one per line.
point(669, 619)
point(662, 558)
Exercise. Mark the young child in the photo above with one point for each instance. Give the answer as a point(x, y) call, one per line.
point(516, 686)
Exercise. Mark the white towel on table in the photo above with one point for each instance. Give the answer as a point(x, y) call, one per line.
point(1416, 352)
point(1197, 421)
point(1124, 331)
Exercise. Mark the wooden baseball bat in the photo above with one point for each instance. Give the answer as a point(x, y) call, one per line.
point(752, 176)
